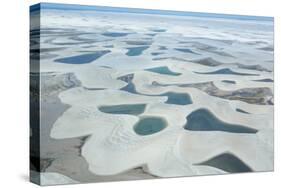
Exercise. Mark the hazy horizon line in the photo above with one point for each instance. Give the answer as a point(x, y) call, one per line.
point(60, 6)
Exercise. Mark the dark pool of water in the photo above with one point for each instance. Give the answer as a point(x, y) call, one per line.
point(156, 53)
point(151, 34)
point(163, 70)
point(264, 80)
point(227, 71)
point(126, 78)
point(159, 30)
point(177, 98)
point(163, 48)
point(204, 120)
point(242, 111)
point(149, 125)
point(227, 162)
point(130, 87)
point(107, 67)
point(268, 48)
point(94, 89)
point(141, 43)
point(89, 46)
point(229, 81)
point(186, 50)
point(133, 109)
point(108, 46)
point(115, 34)
point(136, 51)
point(84, 58)
point(208, 61)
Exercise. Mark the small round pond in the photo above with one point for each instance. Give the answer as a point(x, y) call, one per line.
point(149, 125)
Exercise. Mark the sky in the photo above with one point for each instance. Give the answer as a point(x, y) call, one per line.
point(143, 11)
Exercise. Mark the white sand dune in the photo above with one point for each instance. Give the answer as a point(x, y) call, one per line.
point(113, 135)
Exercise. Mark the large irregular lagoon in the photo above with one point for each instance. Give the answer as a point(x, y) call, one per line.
point(134, 95)
point(203, 120)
